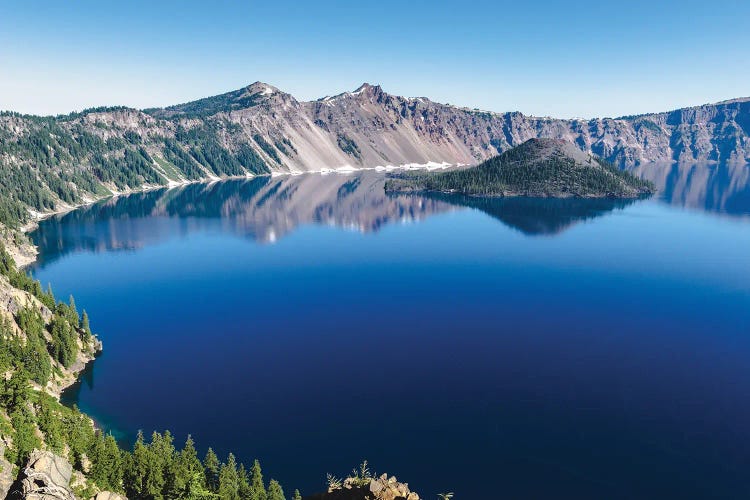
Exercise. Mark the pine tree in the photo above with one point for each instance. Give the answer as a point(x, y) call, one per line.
point(48, 298)
point(73, 318)
point(297, 495)
point(25, 439)
point(164, 455)
point(16, 390)
point(186, 473)
point(257, 489)
point(160, 456)
point(106, 463)
point(85, 326)
point(244, 480)
point(211, 467)
point(229, 480)
point(113, 459)
point(64, 346)
point(274, 491)
point(136, 469)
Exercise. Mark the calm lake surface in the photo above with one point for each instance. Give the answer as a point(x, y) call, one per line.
point(496, 349)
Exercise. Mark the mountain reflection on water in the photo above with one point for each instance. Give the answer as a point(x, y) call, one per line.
point(722, 188)
point(264, 209)
point(267, 208)
point(538, 216)
point(572, 357)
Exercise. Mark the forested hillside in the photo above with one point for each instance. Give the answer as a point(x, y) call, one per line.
point(50, 162)
point(537, 168)
point(44, 343)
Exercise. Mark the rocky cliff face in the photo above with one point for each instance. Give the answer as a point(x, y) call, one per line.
point(369, 127)
point(47, 476)
point(260, 129)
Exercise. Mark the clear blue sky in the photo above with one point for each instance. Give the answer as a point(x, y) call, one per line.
point(548, 57)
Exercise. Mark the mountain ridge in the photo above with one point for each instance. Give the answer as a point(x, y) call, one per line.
point(259, 129)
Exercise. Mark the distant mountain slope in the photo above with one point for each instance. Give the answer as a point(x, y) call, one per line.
point(539, 168)
point(49, 162)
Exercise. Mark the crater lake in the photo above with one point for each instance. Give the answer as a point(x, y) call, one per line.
point(504, 348)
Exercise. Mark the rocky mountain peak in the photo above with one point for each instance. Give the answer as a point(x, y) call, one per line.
point(261, 88)
point(542, 148)
point(247, 97)
point(368, 88)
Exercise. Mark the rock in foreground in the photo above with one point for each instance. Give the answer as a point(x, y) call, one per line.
point(45, 477)
point(374, 488)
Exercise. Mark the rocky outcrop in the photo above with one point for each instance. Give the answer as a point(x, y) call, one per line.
point(12, 300)
point(6, 472)
point(108, 495)
point(376, 488)
point(45, 477)
point(48, 477)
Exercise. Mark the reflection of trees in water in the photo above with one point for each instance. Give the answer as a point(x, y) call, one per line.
point(262, 208)
point(539, 216)
point(266, 208)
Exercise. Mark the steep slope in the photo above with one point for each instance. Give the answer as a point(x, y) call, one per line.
point(369, 127)
point(537, 168)
point(48, 163)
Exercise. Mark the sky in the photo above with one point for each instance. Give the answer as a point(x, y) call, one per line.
point(546, 58)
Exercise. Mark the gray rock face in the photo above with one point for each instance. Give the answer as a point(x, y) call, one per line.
point(108, 495)
point(369, 127)
point(45, 477)
point(12, 300)
point(6, 472)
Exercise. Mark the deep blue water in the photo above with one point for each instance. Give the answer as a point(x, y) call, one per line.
point(506, 349)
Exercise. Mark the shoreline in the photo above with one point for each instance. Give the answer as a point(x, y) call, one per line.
point(26, 254)
point(342, 170)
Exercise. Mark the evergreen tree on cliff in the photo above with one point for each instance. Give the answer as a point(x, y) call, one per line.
point(106, 463)
point(257, 489)
point(74, 319)
point(244, 488)
point(275, 492)
point(229, 486)
point(136, 469)
point(185, 469)
point(85, 326)
point(211, 465)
